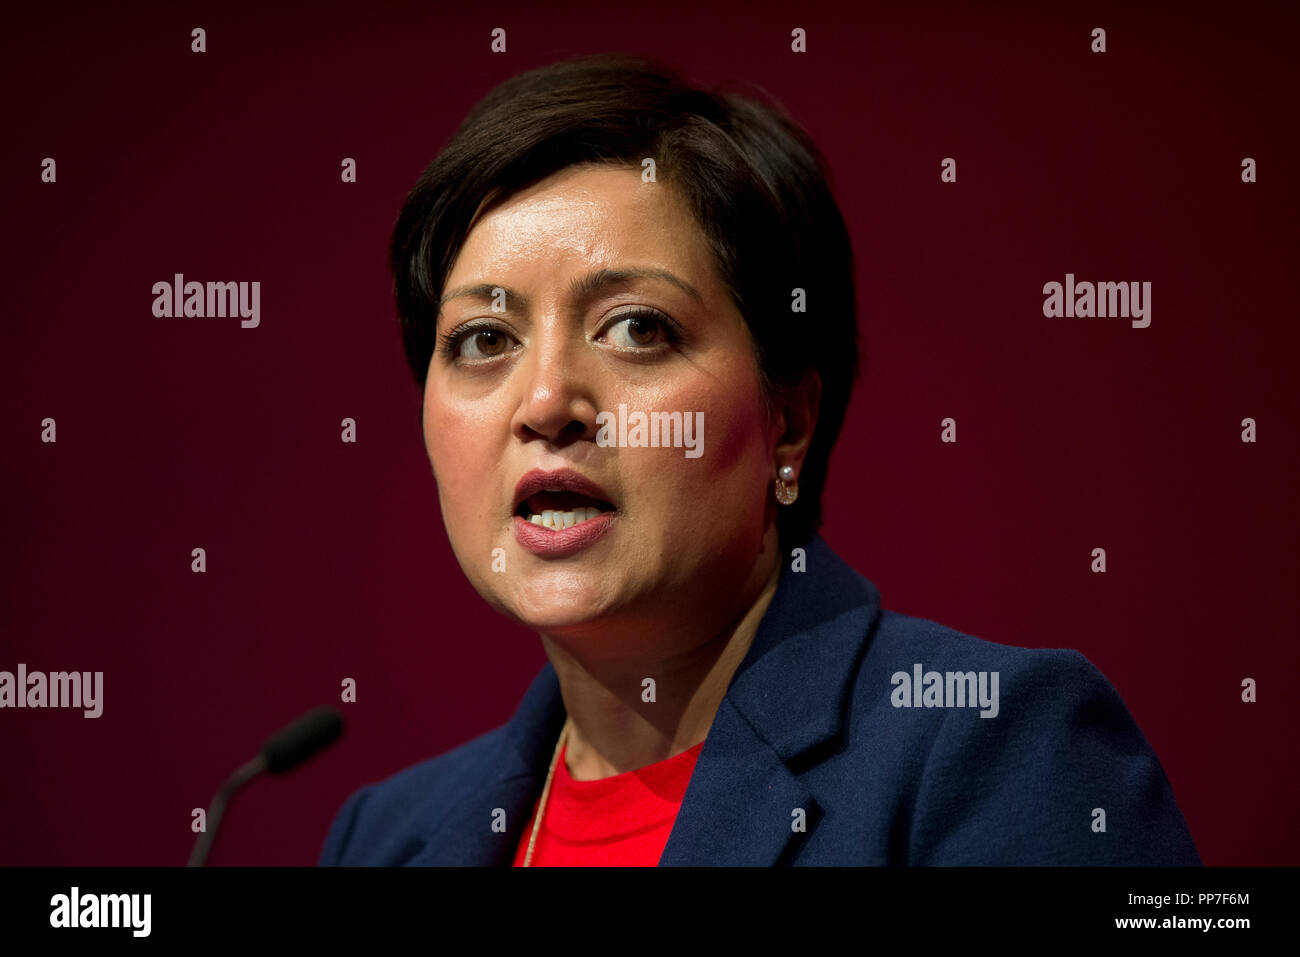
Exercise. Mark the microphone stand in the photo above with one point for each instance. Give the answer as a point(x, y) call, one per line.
point(241, 776)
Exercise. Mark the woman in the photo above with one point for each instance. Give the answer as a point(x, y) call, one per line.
point(630, 305)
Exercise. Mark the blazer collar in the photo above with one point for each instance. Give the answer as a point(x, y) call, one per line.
point(785, 701)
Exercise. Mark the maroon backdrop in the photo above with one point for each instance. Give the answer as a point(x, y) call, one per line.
point(329, 560)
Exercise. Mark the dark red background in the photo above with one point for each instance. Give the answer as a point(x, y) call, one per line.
point(328, 560)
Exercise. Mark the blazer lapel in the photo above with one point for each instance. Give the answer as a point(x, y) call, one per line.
point(740, 805)
point(745, 804)
point(510, 777)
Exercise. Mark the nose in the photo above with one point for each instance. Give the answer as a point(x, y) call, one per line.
point(556, 402)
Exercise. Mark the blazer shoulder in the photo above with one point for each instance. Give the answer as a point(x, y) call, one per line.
point(382, 823)
point(1046, 765)
point(1049, 677)
point(904, 636)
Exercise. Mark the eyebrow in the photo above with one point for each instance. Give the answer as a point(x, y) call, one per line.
point(582, 287)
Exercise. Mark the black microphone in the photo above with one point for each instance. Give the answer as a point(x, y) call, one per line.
point(285, 749)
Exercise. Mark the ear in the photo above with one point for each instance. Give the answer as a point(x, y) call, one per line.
point(794, 419)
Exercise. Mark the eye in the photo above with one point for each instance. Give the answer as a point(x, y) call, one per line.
point(476, 342)
point(483, 344)
point(642, 328)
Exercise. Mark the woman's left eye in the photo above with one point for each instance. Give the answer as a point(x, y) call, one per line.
point(635, 330)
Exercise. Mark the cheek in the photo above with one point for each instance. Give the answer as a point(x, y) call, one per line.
point(730, 475)
point(457, 441)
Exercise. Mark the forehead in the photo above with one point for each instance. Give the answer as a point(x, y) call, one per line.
point(582, 217)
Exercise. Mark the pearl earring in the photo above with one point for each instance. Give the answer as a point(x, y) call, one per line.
point(787, 489)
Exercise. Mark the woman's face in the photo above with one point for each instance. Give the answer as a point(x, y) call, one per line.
point(541, 330)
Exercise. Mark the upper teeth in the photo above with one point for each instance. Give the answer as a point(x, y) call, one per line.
point(553, 519)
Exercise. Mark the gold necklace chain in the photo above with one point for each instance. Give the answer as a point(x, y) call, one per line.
point(546, 791)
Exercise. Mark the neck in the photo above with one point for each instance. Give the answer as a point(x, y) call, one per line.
point(613, 727)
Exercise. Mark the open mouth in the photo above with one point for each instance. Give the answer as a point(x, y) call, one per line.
point(557, 510)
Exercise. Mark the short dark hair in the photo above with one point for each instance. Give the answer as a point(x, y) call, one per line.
point(756, 183)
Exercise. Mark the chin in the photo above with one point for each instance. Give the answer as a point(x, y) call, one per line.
point(545, 601)
point(553, 616)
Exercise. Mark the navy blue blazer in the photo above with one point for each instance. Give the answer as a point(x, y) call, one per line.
point(821, 754)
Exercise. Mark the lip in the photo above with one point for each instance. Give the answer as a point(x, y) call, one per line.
point(560, 480)
point(549, 543)
point(557, 543)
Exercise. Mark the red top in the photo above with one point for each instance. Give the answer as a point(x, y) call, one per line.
point(623, 821)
